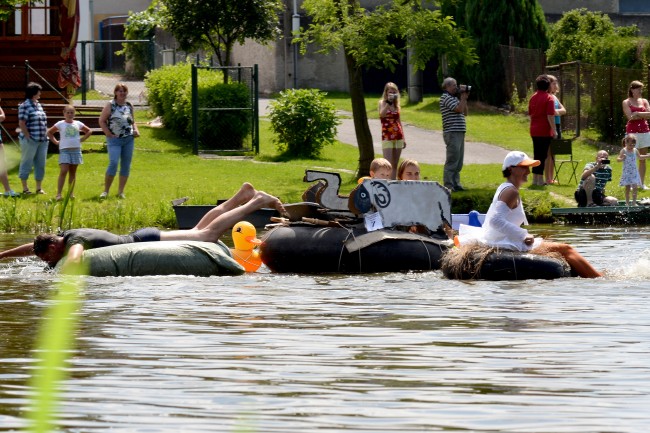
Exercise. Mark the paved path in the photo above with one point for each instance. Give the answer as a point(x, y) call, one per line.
point(423, 145)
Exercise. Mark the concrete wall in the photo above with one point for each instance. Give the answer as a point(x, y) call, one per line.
point(558, 7)
point(276, 62)
point(99, 10)
point(276, 71)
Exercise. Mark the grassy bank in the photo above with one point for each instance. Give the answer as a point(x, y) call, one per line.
point(164, 168)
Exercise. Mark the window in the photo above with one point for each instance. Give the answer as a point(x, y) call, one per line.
point(633, 6)
point(35, 18)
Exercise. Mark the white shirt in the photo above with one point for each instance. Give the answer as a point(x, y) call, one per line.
point(69, 134)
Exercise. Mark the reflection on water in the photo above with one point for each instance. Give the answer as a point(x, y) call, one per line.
point(370, 353)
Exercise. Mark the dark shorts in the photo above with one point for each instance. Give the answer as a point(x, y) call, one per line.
point(147, 234)
point(597, 197)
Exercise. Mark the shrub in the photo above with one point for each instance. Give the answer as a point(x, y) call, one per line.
point(303, 121)
point(219, 129)
point(170, 97)
point(165, 87)
point(587, 36)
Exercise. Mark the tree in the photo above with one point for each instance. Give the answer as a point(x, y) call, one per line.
point(366, 37)
point(492, 23)
point(579, 32)
point(7, 7)
point(218, 24)
point(139, 26)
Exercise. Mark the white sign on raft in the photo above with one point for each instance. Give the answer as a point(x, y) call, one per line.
point(407, 203)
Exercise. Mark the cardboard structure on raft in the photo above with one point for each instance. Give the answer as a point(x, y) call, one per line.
point(408, 203)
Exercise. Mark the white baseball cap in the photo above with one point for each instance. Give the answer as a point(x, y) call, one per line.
point(519, 159)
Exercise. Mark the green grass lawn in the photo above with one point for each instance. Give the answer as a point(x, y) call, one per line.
point(164, 168)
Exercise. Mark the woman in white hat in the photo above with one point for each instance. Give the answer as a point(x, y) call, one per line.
point(502, 226)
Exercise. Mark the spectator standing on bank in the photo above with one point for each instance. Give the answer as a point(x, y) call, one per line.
point(392, 133)
point(118, 123)
point(69, 143)
point(637, 112)
point(559, 111)
point(32, 121)
point(541, 109)
point(453, 107)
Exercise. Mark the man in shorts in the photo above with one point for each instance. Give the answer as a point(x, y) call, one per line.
point(72, 243)
point(591, 190)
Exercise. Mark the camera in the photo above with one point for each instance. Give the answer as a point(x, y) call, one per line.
point(605, 161)
point(464, 88)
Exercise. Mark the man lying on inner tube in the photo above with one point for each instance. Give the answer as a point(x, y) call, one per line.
point(72, 243)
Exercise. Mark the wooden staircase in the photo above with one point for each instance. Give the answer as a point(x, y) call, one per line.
point(44, 58)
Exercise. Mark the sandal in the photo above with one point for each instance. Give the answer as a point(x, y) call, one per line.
point(40, 191)
point(27, 192)
point(11, 193)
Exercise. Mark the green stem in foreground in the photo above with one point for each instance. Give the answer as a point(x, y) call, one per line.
point(54, 346)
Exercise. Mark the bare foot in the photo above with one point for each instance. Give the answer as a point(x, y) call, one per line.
point(267, 200)
point(245, 193)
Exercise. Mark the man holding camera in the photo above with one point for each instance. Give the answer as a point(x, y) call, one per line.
point(453, 107)
point(591, 190)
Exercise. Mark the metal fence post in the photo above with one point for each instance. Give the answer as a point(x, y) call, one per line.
point(256, 112)
point(610, 126)
point(195, 110)
point(84, 83)
point(152, 55)
point(578, 109)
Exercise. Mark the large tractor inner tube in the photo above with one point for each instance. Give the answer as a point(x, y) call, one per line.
point(485, 263)
point(202, 259)
point(313, 250)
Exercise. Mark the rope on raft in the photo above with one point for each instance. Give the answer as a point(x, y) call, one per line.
point(466, 261)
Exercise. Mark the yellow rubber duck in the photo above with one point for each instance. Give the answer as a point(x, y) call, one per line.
point(244, 236)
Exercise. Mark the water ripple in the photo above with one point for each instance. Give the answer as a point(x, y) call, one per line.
point(381, 353)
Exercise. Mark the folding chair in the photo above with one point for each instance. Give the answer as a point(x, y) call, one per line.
point(563, 148)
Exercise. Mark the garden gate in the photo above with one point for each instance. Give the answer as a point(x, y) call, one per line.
point(225, 109)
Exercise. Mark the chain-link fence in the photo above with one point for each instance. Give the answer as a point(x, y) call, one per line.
point(522, 66)
point(593, 96)
point(104, 63)
point(225, 116)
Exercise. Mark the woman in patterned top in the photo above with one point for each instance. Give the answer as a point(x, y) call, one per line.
point(392, 133)
point(32, 121)
point(118, 124)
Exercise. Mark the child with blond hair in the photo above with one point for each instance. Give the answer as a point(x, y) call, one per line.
point(392, 132)
point(630, 177)
point(69, 143)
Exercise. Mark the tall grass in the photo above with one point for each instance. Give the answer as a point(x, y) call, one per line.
point(54, 345)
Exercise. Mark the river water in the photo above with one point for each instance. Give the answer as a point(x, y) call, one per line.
point(363, 353)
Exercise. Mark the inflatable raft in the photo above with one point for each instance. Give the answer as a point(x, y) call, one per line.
point(311, 249)
point(378, 239)
point(201, 259)
point(475, 262)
